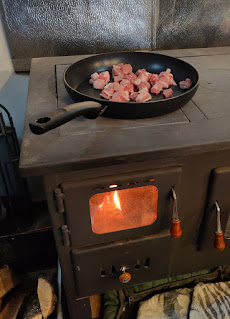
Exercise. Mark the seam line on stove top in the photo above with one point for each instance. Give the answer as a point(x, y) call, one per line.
point(200, 110)
point(185, 115)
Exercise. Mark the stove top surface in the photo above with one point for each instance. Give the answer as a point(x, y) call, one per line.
point(83, 143)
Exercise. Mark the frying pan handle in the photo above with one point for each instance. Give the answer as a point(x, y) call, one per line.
point(89, 109)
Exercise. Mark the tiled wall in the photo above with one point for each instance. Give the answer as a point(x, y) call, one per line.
point(66, 27)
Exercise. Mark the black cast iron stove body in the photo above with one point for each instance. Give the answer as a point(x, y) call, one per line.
point(188, 150)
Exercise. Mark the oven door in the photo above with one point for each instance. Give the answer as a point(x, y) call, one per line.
point(112, 208)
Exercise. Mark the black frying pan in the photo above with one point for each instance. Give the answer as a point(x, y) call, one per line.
point(76, 80)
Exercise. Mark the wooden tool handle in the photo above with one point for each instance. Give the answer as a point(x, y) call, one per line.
point(176, 230)
point(219, 241)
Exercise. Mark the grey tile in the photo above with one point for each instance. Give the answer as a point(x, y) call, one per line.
point(193, 23)
point(68, 27)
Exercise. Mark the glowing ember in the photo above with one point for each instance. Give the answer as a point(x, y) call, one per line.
point(116, 200)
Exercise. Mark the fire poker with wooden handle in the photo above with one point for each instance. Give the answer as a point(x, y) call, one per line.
point(176, 230)
point(219, 236)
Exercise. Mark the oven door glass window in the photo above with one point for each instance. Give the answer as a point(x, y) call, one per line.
point(123, 209)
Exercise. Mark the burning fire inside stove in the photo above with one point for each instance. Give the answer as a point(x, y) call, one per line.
point(123, 209)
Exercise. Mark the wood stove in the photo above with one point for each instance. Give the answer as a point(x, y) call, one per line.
point(114, 187)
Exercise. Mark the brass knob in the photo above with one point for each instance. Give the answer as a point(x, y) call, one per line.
point(125, 276)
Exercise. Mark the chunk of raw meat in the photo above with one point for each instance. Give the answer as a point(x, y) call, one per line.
point(168, 93)
point(118, 78)
point(107, 93)
point(127, 68)
point(165, 82)
point(154, 78)
point(130, 76)
point(184, 85)
point(99, 84)
point(137, 82)
point(129, 87)
point(156, 88)
point(122, 96)
point(117, 87)
point(90, 81)
point(124, 82)
point(117, 69)
point(133, 96)
point(143, 97)
point(94, 76)
point(143, 77)
point(140, 71)
point(144, 84)
point(104, 76)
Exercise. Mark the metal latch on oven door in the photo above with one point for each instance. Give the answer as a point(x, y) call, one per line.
point(59, 200)
point(176, 230)
point(219, 236)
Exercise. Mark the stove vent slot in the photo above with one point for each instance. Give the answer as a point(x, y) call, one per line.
point(102, 272)
point(59, 200)
point(113, 270)
point(137, 266)
point(147, 262)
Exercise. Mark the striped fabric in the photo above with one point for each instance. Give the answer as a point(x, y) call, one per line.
point(211, 301)
point(205, 301)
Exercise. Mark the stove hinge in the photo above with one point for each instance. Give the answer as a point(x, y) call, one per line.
point(59, 200)
point(65, 235)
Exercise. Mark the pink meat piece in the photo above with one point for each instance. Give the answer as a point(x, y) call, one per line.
point(154, 78)
point(90, 81)
point(144, 84)
point(105, 95)
point(117, 69)
point(165, 82)
point(99, 84)
point(129, 88)
point(121, 96)
point(145, 89)
point(184, 85)
point(108, 92)
point(143, 97)
point(167, 75)
point(137, 82)
point(104, 76)
point(94, 76)
point(118, 78)
point(140, 71)
point(143, 77)
point(168, 93)
point(127, 68)
point(133, 96)
point(117, 87)
point(130, 76)
point(156, 88)
point(124, 82)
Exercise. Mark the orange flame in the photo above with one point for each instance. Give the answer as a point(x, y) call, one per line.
point(117, 200)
